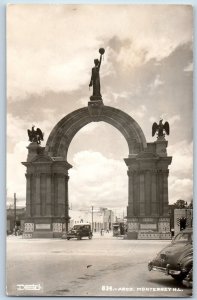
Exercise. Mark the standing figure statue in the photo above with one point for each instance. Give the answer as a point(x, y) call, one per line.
point(95, 78)
point(161, 129)
point(35, 136)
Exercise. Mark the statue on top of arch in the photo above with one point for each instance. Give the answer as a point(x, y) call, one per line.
point(161, 129)
point(95, 77)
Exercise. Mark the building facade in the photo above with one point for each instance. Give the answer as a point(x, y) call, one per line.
point(15, 219)
point(101, 218)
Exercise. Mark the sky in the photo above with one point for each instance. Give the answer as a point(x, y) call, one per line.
point(147, 72)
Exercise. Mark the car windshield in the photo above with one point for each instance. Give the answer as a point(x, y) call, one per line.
point(81, 227)
point(183, 237)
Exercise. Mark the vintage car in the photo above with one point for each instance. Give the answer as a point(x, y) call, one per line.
point(177, 258)
point(80, 230)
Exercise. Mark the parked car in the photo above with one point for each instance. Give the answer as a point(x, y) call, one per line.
point(80, 230)
point(177, 258)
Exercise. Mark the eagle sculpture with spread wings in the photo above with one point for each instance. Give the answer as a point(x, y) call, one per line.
point(161, 129)
point(35, 136)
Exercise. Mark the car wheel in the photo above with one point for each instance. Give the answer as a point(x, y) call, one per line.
point(179, 277)
point(90, 236)
point(79, 237)
point(68, 239)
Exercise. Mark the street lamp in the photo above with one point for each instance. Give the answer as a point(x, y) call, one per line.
point(92, 218)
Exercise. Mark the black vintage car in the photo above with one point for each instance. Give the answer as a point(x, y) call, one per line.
point(177, 258)
point(80, 230)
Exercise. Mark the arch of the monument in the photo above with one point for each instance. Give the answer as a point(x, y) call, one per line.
point(63, 133)
point(47, 202)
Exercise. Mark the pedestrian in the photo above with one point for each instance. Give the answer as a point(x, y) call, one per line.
point(102, 231)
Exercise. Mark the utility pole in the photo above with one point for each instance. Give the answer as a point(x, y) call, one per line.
point(92, 219)
point(15, 213)
point(110, 220)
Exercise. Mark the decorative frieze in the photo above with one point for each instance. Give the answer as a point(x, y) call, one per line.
point(29, 227)
point(132, 226)
point(146, 220)
point(131, 171)
point(133, 220)
point(57, 227)
point(164, 227)
point(148, 226)
point(27, 236)
point(43, 226)
point(153, 236)
point(148, 235)
point(164, 219)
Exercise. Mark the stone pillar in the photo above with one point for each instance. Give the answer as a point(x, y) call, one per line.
point(37, 195)
point(160, 192)
point(61, 195)
point(148, 193)
point(136, 193)
point(165, 193)
point(148, 206)
point(28, 194)
point(154, 203)
point(67, 218)
point(48, 195)
point(142, 194)
point(130, 207)
point(43, 194)
point(53, 195)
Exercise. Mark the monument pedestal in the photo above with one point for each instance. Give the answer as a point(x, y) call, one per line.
point(95, 98)
point(147, 211)
point(95, 109)
point(46, 194)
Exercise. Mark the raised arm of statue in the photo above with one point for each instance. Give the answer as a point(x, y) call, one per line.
point(100, 61)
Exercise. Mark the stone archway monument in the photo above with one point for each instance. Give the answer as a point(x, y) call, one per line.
point(47, 204)
point(47, 173)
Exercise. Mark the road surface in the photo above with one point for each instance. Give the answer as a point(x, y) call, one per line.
point(103, 266)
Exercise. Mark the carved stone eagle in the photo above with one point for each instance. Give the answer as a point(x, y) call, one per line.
point(35, 136)
point(161, 129)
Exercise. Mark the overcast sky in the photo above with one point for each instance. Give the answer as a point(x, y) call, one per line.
point(146, 72)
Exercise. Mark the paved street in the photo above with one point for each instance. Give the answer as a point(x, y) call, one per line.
point(103, 266)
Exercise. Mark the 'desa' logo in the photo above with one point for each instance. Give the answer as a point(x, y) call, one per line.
point(28, 287)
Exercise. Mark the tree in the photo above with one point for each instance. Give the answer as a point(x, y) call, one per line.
point(180, 204)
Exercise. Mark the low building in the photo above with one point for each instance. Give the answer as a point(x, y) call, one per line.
point(15, 219)
point(101, 218)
